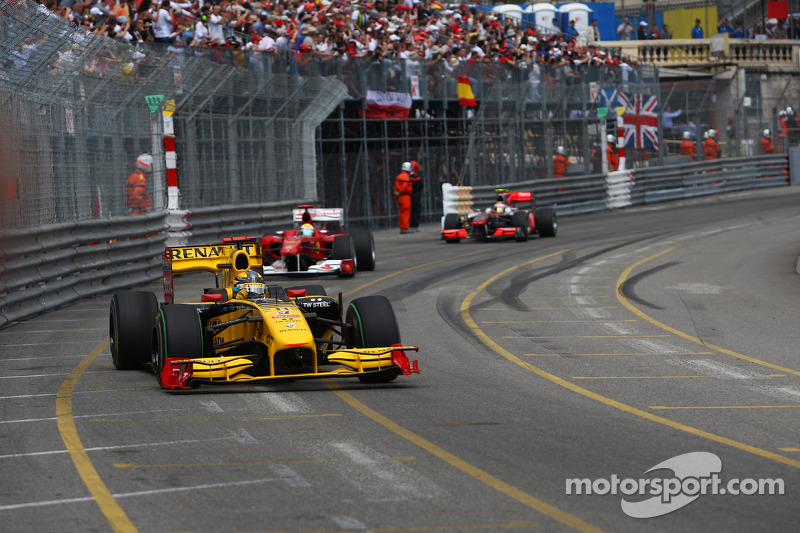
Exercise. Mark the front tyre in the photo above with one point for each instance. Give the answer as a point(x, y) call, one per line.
point(364, 245)
point(546, 221)
point(177, 333)
point(373, 324)
point(130, 321)
point(521, 220)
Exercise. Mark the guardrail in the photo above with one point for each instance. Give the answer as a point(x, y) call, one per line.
point(599, 192)
point(49, 266)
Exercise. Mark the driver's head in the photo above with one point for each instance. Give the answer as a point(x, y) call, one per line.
point(250, 285)
point(499, 207)
point(307, 230)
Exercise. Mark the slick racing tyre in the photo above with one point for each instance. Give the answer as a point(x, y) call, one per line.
point(364, 246)
point(129, 325)
point(177, 333)
point(342, 248)
point(452, 221)
point(522, 221)
point(373, 325)
point(546, 222)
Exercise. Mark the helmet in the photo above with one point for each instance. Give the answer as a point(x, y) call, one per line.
point(789, 111)
point(610, 138)
point(712, 133)
point(307, 230)
point(144, 162)
point(250, 285)
point(406, 167)
point(499, 207)
point(705, 135)
point(414, 166)
point(782, 113)
point(687, 135)
point(765, 133)
point(560, 150)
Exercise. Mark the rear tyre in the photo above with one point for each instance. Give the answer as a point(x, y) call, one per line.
point(364, 246)
point(373, 325)
point(546, 221)
point(177, 333)
point(129, 325)
point(521, 221)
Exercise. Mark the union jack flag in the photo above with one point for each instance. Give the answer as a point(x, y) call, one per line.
point(640, 121)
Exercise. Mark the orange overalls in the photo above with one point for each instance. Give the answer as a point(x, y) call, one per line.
point(136, 196)
point(767, 146)
point(711, 149)
point(560, 164)
point(613, 158)
point(403, 187)
point(688, 148)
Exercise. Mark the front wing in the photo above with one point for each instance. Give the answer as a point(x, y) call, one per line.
point(183, 373)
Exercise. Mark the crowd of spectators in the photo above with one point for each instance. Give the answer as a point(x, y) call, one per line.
point(422, 30)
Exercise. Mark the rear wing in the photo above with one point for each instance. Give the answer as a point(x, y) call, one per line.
point(518, 197)
point(231, 258)
point(318, 214)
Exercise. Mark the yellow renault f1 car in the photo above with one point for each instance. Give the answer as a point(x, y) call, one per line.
point(245, 331)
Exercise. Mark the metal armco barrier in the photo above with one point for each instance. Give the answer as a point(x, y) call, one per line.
point(585, 194)
point(211, 224)
point(49, 266)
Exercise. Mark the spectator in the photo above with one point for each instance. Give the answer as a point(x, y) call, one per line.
point(697, 30)
point(625, 30)
point(592, 33)
point(740, 32)
point(723, 26)
point(571, 32)
point(162, 22)
point(642, 35)
point(665, 32)
point(667, 117)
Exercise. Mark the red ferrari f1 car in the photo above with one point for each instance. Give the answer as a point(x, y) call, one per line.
point(318, 245)
point(514, 215)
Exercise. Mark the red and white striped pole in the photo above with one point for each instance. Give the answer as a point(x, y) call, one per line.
point(621, 137)
point(170, 158)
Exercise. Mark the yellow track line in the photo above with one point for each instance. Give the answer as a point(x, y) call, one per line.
point(465, 305)
point(116, 517)
point(467, 468)
point(635, 310)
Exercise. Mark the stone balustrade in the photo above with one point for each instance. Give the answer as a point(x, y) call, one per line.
point(719, 51)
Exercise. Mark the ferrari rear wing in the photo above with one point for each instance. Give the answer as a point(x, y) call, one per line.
point(318, 214)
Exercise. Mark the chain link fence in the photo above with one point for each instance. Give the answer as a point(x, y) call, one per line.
point(75, 117)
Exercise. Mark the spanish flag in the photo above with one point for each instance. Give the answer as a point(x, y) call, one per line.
point(465, 95)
